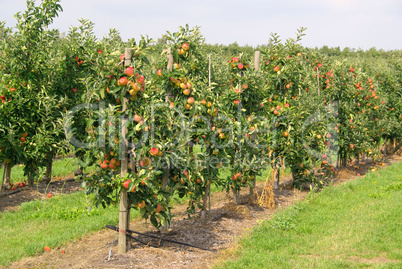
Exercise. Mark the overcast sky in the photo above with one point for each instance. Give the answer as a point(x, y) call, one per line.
point(359, 24)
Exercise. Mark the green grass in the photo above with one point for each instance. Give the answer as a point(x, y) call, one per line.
point(61, 168)
point(354, 225)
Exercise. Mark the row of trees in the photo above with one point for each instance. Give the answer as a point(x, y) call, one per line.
point(179, 117)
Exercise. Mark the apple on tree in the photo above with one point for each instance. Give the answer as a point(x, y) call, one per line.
point(154, 151)
point(185, 46)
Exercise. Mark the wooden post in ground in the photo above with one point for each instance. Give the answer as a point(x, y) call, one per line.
point(207, 194)
point(257, 56)
point(168, 98)
point(124, 214)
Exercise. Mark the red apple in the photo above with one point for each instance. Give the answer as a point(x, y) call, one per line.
point(276, 68)
point(136, 86)
point(154, 151)
point(190, 100)
point(285, 134)
point(236, 102)
point(74, 90)
point(129, 71)
point(49, 195)
point(186, 92)
point(137, 118)
point(159, 72)
point(183, 86)
point(185, 46)
point(104, 165)
point(140, 79)
point(125, 184)
point(158, 208)
point(122, 81)
point(240, 66)
point(112, 166)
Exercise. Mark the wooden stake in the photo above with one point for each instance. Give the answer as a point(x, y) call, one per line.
point(168, 97)
point(209, 71)
point(299, 86)
point(124, 214)
point(257, 56)
point(207, 195)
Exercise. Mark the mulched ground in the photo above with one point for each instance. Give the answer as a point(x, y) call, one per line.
point(219, 232)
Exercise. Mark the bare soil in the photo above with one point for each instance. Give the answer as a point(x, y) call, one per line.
point(219, 232)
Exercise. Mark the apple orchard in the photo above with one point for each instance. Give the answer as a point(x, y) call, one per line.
point(160, 126)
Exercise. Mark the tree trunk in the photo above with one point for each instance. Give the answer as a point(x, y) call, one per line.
point(204, 211)
point(235, 197)
point(165, 180)
point(78, 172)
point(276, 178)
point(7, 171)
point(31, 180)
point(48, 175)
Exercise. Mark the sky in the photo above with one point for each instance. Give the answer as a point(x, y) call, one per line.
point(358, 24)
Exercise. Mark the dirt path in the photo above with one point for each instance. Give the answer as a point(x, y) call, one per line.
point(219, 233)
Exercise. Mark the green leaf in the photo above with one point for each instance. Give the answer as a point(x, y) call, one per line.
point(154, 221)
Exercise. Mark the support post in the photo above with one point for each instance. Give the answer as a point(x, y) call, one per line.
point(124, 214)
point(257, 56)
point(169, 97)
